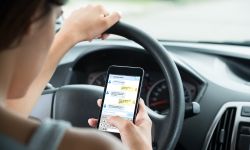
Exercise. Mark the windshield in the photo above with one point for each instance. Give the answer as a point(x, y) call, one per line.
point(183, 20)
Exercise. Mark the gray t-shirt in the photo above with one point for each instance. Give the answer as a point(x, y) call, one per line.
point(47, 137)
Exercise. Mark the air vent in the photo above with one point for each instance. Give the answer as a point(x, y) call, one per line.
point(222, 135)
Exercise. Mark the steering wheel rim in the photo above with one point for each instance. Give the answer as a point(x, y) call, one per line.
point(167, 128)
point(171, 125)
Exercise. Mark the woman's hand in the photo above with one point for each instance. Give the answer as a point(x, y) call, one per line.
point(136, 136)
point(87, 23)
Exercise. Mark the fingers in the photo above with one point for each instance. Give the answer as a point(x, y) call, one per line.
point(142, 116)
point(142, 109)
point(121, 124)
point(112, 18)
point(92, 122)
point(104, 36)
point(99, 102)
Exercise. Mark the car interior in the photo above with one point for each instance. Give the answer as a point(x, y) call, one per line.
point(197, 92)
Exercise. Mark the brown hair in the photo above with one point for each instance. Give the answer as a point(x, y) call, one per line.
point(16, 17)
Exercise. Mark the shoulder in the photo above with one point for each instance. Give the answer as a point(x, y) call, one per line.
point(76, 138)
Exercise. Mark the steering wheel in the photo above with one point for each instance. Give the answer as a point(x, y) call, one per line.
point(77, 103)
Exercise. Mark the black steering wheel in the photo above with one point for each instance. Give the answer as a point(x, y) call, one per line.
point(77, 103)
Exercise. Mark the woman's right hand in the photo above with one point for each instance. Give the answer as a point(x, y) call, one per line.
point(136, 136)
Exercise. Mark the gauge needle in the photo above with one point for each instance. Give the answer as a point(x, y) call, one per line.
point(159, 102)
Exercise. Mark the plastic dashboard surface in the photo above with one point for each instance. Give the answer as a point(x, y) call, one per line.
point(206, 77)
point(91, 69)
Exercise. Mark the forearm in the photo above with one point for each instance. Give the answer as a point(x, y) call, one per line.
point(62, 43)
point(60, 46)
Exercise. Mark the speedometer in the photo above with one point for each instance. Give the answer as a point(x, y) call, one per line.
point(99, 79)
point(158, 98)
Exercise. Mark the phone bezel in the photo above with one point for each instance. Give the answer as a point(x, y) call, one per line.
point(123, 70)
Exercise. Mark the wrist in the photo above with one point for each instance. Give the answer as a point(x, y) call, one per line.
point(61, 44)
point(66, 38)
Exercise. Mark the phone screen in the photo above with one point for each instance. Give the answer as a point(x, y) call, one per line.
point(120, 99)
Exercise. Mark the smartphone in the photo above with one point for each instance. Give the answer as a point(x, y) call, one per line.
point(121, 95)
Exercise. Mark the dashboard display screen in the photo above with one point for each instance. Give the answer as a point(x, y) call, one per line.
point(120, 99)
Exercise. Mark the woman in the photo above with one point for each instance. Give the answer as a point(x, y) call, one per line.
point(29, 53)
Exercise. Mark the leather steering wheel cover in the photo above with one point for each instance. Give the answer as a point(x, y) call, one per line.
point(171, 126)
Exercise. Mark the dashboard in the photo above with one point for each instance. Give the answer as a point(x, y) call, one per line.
point(154, 90)
point(214, 75)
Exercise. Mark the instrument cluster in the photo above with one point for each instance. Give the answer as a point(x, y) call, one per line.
point(154, 90)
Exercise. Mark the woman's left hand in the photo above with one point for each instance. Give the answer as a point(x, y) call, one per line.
point(88, 23)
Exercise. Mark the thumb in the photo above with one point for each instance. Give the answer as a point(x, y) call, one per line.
point(141, 107)
point(120, 123)
point(112, 18)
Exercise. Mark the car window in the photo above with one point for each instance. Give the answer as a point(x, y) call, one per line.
point(183, 20)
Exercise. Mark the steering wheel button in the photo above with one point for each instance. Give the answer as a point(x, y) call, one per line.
point(245, 112)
